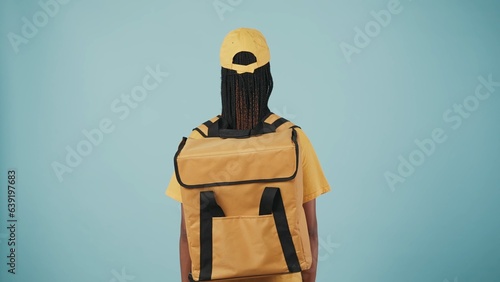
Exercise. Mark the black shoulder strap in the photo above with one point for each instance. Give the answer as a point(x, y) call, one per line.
point(208, 126)
point(218, 127)
point(280, 123)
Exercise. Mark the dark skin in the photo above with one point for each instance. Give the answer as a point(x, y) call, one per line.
point(312, 225)
point(184, 251)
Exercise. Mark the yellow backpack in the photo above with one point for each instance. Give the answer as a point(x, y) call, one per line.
point(242, 200)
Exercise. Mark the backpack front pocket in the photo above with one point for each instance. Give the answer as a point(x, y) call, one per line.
point(246, 246)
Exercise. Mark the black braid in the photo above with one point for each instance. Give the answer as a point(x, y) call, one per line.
point(245, 96)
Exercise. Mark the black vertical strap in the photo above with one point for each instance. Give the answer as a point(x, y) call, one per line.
point(272, 202)
point(267, 200)
point(213, 128)
point(208, 209)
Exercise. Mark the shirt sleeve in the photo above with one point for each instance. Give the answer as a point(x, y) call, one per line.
point(174, 188)
point(315, 182)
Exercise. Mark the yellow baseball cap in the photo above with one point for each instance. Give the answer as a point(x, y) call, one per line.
point(244, 39)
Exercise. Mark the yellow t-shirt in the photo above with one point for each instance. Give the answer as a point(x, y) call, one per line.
point(315, 184)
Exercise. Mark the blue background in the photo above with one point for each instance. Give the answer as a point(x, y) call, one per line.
point(110, 217)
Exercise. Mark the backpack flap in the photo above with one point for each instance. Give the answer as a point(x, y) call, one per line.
point(214, 161)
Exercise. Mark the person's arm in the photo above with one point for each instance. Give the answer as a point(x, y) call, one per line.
point(185, 259)
point(312, 225)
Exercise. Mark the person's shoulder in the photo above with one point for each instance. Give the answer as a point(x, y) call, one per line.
point(279, 122)
point(284, 124)
point(201, 131)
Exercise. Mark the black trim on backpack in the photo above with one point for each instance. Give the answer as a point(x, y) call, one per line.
point(201, 132)
point(213, 129)
point(272, 203)
point(208, 123)
point(279, 179)
point(279, 122)
point(220, 128)
point(179, 149)
point(208, 210)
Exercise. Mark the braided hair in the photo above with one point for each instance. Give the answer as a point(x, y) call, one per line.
point(245, 96)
